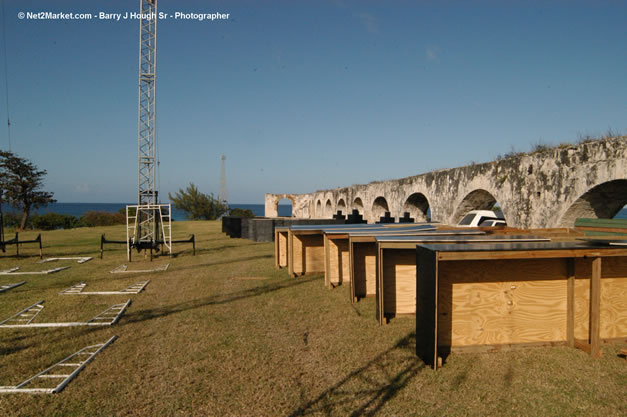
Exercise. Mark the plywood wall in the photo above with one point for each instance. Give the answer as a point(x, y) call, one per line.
point(399, 281)
point(613, 298)
point(502, 302)
point(339, 267)
point(364, 268)
point(308, 254)
point(281, 249)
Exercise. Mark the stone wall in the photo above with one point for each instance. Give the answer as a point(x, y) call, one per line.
point(550, 188)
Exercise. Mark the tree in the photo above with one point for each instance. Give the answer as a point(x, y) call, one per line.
point(21, 183)
point(197, 205)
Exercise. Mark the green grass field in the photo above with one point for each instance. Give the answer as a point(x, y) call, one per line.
point(224, 333)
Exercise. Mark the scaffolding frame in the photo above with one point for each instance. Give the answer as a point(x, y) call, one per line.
point(107, 318)
point(14, 271)
point(78, 259)
point(123, 269)
point(8, 287)
point(48, 373)
point(77, 289)
point(144, 231)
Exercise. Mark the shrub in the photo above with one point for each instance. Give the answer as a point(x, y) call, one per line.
point(197, 205)
point(103, 218)
point(11, 219)
point(239, 212)
point(53, 221)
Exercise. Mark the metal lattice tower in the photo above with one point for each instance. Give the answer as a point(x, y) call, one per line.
point(148, 229)
point(223, 196)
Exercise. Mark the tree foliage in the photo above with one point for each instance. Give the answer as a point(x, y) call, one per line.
point(197, 205)
point(240, 212)
point(21, 182)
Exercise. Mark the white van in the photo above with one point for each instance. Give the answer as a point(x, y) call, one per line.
point(475, 218)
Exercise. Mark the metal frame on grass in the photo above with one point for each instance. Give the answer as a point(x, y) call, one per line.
point(77, 289)
point(13, 271)
point(123, 269)
point(89, 351)
point(106, 318)
point(7, 287)
point(78, 259)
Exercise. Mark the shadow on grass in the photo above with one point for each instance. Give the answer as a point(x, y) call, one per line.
point(217, 299)
point(367, 389)
point(226, 262)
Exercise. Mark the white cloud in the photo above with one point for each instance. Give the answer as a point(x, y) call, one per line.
point(82, 188)
point(433, 53)
point(369, 21)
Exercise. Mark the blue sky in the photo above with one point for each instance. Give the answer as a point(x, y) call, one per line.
point(302, 96)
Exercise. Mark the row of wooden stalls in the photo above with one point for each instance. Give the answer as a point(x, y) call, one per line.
point(479, 289)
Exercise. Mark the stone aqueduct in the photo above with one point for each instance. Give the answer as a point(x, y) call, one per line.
point(550, 188)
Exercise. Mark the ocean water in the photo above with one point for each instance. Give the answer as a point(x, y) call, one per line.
point(78, 209)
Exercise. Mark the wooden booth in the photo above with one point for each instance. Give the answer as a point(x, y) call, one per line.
point(362, 249)
point(492, 296)
point(396, 267)
point(336, 248)
point(305, 247)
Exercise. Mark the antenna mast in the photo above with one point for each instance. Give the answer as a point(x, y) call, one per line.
point(146, 142)
point(223, 196)
point(148, 224)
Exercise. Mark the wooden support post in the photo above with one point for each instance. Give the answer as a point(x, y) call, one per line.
point(41, 253)
point(570, 302)
point(290, 263)
point(151, 246)
point(17, 245)
point(130, 250)
point(102, 238)
point(194, 245)
point(595, 308)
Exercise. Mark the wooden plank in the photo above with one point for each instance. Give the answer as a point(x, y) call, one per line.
point(595, 308)
point(380, 301)
point(539, 254)
point(613, 314)
point(308, 254)
point(398, 281)
point(502, 302)
point(427, 307)
point(290, 253)
point(363, 265)
point(570, 303)
point(327, 267)
point(338, 261)
point(281, 248)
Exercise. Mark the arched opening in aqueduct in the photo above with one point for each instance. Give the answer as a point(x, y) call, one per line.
point(284, 207)
point(603, 201)
point(358, 205)
point(341, 205)
point(318, 211)
point(379, 207)
point(417, 206)
point(476, 200)
point(328, 209)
